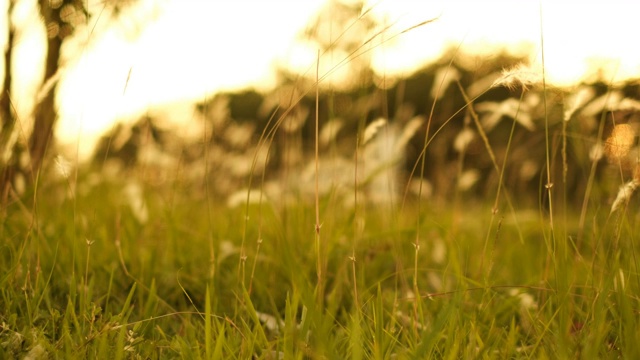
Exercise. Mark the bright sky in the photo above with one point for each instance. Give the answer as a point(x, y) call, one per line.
point(185, 50)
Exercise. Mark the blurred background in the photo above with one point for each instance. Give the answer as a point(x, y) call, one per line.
point(116, 62)
point(130, 56)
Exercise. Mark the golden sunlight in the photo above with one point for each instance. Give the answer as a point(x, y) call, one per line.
point(171, 51)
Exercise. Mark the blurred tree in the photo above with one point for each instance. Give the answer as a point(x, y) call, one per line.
point(21, 160)
point(7, 117)
point(60, 17)
point(342, 30)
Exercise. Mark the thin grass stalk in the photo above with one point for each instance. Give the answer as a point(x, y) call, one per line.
point(428, 141)
point(266, 139)
point(260, 223)
point(75, 219)
point(385, 114)
point(207, 192)
point(356, 230)
point(320, 289)
point(559, 249)
point(549, 184)
point(456, 216)
point(592, 175)
point(622, 200)
point(550, 240)
point(85, 289)
point(565, 171)
point(422, 160)
point(355, 54)
point(208, 333)
point(271, 133)
point(500, 170)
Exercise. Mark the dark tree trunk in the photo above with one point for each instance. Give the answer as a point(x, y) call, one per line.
point(45, 112)
point(7, 166)
point(5, 98)
point(60, 19)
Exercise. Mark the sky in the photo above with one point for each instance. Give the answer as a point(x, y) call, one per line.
point(184, 51)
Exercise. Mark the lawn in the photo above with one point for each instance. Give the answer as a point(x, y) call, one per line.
point(501, 223)
point(102, 264)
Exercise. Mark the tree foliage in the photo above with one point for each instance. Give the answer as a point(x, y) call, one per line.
point(23, 154)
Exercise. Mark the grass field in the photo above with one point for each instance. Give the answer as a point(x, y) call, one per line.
point(150, 262)
point(99, 266)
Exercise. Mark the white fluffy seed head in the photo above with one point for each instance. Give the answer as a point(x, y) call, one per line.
point(624, 194)
point(372, 129)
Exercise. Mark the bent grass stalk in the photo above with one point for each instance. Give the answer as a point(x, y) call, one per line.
point(499, 170)
point(592, 173)
point(549, 185)
point(422, 160)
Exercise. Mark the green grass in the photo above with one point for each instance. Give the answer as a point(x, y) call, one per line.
point(82, 278)
point(84, 274)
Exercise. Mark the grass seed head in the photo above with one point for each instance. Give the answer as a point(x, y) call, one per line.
point(577, 100)
point(372, 129)
point(624, 194)
point(619, 143)
point(522, 75)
